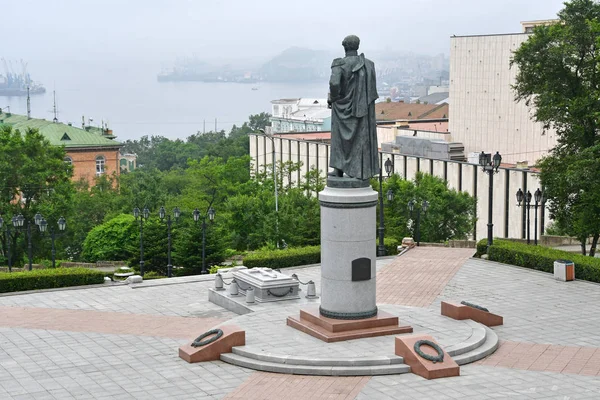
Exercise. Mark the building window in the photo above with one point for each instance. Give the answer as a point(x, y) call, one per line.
point(100, 165)
point(68, 160)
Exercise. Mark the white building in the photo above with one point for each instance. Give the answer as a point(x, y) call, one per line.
point(300, 115)
point(484, 114)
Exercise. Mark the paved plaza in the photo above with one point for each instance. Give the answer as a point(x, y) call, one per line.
point(120, 342)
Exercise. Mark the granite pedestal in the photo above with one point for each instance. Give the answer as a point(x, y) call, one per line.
point(348, 279)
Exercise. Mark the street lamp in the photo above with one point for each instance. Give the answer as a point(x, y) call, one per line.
point(526, 200)
point(210, 213)
point(19, 223)
point(143, 217)
point(490, 166)
point(270, 137)
point(381, 230)
point(161, 215)
point(424, 207)
point(62, 225)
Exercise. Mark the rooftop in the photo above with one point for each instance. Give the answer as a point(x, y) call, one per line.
point(59, 134)
point(410, 111)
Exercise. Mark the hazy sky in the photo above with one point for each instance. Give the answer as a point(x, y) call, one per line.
point(160, 30)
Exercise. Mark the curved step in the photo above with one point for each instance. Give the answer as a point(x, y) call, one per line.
point(476, 339)
point(488, 347)
point(267, 366)
point(248, 352)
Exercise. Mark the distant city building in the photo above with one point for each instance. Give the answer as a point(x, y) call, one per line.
point(392, 111)
point(300, 115)
point(485, 115)
point(128, 162)
point(92, 151)
point(435, 98)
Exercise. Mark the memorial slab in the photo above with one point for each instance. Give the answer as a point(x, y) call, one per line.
point(269, 285)
point(232, 336)
point(405, 347)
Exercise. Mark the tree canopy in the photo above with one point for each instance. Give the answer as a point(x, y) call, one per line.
point(559, 77)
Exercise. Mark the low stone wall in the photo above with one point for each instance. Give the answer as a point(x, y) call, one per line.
point(462, 244)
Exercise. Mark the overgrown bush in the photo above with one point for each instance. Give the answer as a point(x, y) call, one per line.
point(290, 257)
point(391, 246)
point(542, 258)
point(481, 248)
point(49, 278)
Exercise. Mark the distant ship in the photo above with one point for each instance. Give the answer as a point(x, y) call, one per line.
point(17, 84)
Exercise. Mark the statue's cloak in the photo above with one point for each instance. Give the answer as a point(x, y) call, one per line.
point(353, 92)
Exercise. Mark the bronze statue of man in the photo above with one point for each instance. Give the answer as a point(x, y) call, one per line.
point(352, 95)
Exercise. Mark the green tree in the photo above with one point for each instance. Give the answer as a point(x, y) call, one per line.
point(33, 178)
point(450, 214)
point(558, 77)
point(116, 239)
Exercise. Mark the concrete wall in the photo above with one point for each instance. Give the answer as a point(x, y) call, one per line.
point(483, 113)
point(509, 220)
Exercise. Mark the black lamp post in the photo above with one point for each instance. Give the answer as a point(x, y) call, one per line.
point(143, 217)
point(18, 223)
point(424, 207)
point(62, 225)
point(8, 258)
point(381, 229)
point(525, 198)
point(210, 213)
point(176, 214)
point(490, 166)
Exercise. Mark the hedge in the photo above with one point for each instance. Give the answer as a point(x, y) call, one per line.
point(542, 258)
point(49, 278)
point(391, 246)
point(294, 257)
point(290, 257)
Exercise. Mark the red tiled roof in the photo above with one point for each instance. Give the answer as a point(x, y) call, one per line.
point(410, 111)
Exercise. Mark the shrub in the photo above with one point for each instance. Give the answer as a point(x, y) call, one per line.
point(481, 247)
point(391, 246)
point(49, 278)
point(153, 275)
point(290, 257)
point(542, 258)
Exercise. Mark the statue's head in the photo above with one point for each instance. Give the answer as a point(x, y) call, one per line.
point(351, 42)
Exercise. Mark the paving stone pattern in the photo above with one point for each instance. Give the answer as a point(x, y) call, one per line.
point(419, 276)
point(184, 300)
point(262, 385)
point(546, 357)
point(536, 308)
point(45, 364)
point(121, 343)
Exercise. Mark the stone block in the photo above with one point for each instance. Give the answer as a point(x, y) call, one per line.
point(232, 336)
point(405, 347)
point(461, 311)
point(335, 330)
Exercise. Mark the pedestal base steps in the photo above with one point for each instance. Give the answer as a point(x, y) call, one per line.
point(274, 347)
point(335, 330)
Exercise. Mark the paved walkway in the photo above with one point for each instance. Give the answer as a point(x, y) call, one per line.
point(121, 343)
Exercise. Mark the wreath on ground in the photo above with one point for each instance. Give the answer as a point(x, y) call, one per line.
point(438, 349)
point(199, 342)
point(466, 303)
